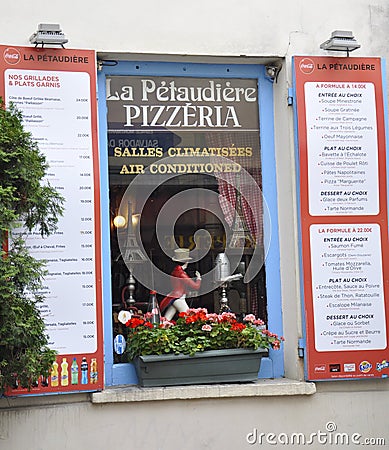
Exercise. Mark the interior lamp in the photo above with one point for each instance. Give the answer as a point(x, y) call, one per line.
point(135, 219)
point(119, 221)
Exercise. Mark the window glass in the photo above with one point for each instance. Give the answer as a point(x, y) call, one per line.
point(185, 172)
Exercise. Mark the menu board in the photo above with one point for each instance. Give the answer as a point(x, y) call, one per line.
point(55, 91)
point(343, 216)
point(348, 303)
point(341, 124)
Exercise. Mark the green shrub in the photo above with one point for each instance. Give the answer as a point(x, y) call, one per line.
point(25, 200)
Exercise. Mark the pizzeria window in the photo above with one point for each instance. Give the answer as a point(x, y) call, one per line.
point(189, 164)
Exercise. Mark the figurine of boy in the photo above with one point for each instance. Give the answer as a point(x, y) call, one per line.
point(175, 301)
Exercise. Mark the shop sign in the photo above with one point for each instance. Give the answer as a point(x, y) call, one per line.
point(343, 215)
point(55, 90)
point(195, 125)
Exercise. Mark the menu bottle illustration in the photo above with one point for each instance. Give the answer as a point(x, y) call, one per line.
point(84, 371)
point(44, 381)
point(74, 371)
point(93, 371)
point(64, 372)
point(54, 374)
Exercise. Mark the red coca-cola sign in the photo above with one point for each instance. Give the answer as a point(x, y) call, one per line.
point(11, 55)
point(307, 65)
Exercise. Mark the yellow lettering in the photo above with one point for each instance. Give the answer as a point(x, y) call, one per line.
point(132, 169)
point(124, 170)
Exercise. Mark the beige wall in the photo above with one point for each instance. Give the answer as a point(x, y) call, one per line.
point(180, 27)
point(198, 424)
point(236, 31)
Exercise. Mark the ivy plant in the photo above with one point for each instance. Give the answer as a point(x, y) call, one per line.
point(27, 202)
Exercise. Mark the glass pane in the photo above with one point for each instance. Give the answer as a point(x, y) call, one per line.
point(185, 172)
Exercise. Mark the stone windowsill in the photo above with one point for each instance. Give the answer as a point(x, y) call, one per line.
point(261, 388)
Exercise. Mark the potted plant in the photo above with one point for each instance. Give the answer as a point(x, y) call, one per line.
point(200, 347)
point(25, 200)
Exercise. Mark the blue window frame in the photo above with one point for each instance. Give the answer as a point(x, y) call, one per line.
point(271, 367)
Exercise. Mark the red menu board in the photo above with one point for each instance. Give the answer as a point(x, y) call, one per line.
point(343, 216)
point(55, 90)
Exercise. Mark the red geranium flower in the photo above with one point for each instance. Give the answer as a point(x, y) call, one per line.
point(238, 326)
point(134, 322)
point(206, 332)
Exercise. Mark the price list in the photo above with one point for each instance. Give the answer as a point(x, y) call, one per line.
point(56, 109)
point(347, 286)
point(342, 148)
point(344, 218)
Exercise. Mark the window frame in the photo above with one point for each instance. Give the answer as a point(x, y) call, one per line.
point(273, 365)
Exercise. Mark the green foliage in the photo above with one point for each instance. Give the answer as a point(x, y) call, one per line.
point(197, 331)
point(24, 201)
point(23, 196)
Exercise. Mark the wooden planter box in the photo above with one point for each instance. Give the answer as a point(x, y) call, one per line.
point(212, 366)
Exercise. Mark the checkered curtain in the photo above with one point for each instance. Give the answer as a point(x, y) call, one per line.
point(251, 193)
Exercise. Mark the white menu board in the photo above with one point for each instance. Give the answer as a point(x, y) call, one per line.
point(56, 108)
point(342, 148)
point(348, 297)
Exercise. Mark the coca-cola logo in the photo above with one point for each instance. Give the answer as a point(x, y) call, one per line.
point(11, 55)
point(307, 65)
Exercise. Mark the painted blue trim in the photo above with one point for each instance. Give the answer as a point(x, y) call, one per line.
point(105, 232)
point(269, 187)
point(124, 374)
point(183, 70)
point(273, 366)
point(384, 97)
point(297, 159)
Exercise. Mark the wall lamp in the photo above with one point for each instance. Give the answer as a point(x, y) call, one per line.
point(272, 71)
point(48, 34)
point(341, 41)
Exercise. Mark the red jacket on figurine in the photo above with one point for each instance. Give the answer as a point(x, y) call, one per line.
point(181, 284)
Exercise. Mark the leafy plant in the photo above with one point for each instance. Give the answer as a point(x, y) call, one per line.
point(195, 331)
point(27, 201)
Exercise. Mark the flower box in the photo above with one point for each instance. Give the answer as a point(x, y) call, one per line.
point(211, 366)
point(199, 348)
